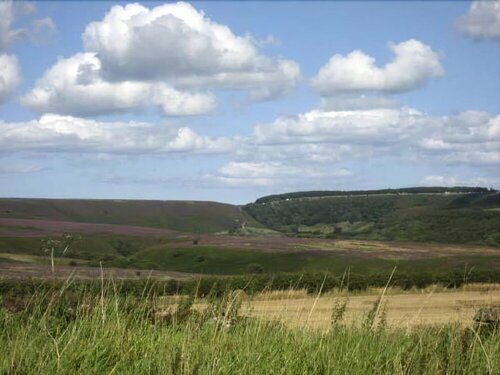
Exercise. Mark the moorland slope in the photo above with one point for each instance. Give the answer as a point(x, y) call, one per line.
point(443, 215)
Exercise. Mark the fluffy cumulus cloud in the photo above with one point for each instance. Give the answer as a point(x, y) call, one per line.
point(10, 76)
point(470, 137)
point(76, 86)
point(351, 126)
point(166, 56)
point(413, 65)
point(482, 22)
point(310, 149)
point(56, 133)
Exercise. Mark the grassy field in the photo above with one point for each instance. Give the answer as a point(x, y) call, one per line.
point(217, 258)
point(63, 333)
point(211, 260)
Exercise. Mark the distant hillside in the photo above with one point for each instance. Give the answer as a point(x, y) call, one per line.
point(334, 193)
point(448, 215)
point(186, 216)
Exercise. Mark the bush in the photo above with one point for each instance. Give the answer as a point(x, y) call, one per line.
point(255, 268)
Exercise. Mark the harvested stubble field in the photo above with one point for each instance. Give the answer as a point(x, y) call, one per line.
point(432, 306)
point(407, 310)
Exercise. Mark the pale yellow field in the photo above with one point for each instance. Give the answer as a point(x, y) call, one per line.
point(401, 310)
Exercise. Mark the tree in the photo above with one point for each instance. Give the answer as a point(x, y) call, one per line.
point(56, 247)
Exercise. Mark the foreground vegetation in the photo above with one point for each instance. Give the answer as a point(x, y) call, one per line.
point(312, 282)
point(64, 332)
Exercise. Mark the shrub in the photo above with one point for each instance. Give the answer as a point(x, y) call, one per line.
point(255, 268)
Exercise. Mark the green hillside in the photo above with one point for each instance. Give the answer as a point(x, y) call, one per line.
point(417, 214)
point(186, 216)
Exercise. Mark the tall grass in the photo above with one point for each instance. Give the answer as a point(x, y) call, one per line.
point(62, 332)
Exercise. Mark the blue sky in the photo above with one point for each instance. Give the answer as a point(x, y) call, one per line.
point(229, 101)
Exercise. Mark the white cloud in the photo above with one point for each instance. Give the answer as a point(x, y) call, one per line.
point(440, 180)
point(177, 43)
point(272, 173)
point(468, 156)
point(414, 64)
point(9, 11)
point(299, 153)
point(7, 35)
point(10, 72)
point(10, 76)
point(55, 133)
point(182, 103)
point(435, 144)
point(348, 102)
point(75, 86)
point(482, 22)
point(167, 56)
point(471, 137)
point(43, 30)
point(19, 169)
point(355, 126)
point(311, 150)
point(437, 180)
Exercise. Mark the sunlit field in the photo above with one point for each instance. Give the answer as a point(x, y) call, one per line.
point(410, 310)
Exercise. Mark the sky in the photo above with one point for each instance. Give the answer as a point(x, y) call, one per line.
point(230, 101)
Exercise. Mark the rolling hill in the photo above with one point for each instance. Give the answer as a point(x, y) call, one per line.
point(446, 215)
point(184, 216)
